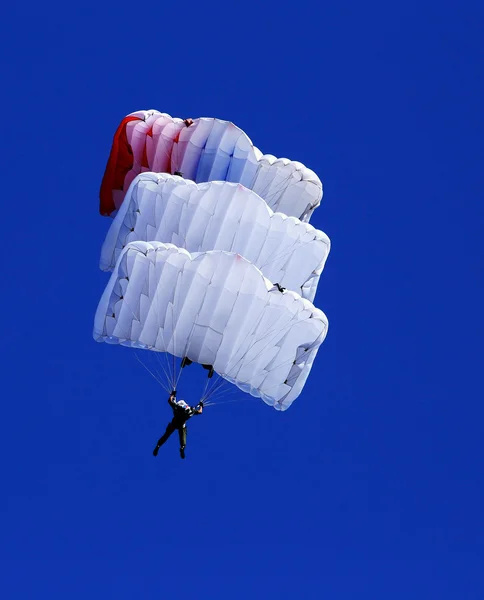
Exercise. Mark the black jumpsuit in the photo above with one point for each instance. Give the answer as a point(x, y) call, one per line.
point(181, 414)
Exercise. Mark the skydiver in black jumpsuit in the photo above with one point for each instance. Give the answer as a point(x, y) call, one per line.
point(181, 413)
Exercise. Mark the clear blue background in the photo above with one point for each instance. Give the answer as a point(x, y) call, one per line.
point(370, 485)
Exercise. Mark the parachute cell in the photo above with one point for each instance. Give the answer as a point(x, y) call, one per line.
point(215, 308)
point(204, 149)
point(218, 216)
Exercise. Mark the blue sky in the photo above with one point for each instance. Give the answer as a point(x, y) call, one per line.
point(370, 485)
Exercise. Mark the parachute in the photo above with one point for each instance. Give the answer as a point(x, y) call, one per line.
point(212, 256)
point(203, 150)
point(215, 308)
point(218, 216)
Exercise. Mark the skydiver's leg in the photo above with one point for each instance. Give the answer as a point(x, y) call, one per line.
point(182, 433)
point(169, 430)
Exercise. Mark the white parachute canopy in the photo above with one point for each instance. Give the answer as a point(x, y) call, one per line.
point(219, 216)
point(205, 149)
point(215, 308)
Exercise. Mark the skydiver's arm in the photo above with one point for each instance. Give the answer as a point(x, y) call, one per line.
point(172, 399)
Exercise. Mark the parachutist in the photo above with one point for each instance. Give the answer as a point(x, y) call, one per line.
point(181, 413)
point(280, 288)
point(188, 122)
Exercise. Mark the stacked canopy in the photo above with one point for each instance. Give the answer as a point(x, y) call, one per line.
point(219, 216)
point(204, 150)
point(214, 308)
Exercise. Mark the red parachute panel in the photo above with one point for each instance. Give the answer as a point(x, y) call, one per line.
point(120, 162)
